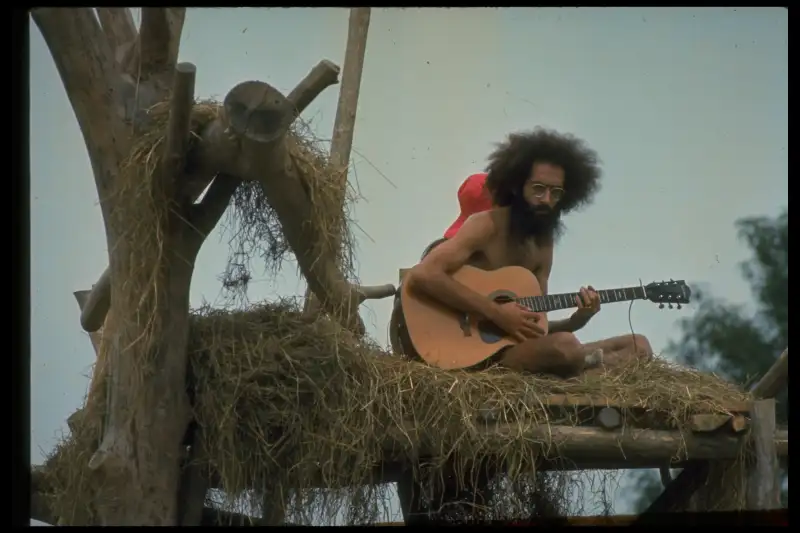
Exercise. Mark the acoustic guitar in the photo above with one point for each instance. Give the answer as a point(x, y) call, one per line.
point(449, 339)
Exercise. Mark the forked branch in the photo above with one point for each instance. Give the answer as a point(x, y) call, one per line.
point(204, 217)
point(159, 38)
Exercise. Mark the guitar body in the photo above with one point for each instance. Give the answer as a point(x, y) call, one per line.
point(448, 339)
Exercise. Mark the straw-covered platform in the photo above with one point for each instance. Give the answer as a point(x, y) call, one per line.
point(285, 401)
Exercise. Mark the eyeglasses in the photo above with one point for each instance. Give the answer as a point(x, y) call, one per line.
point(538, 190)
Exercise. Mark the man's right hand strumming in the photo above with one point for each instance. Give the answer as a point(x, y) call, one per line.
point(520, 323)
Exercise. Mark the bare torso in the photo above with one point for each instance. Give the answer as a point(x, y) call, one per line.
point(502, 251)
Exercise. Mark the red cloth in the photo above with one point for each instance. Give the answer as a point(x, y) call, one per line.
point(472, 198)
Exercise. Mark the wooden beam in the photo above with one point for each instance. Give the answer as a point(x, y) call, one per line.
point(776, 378)
point(194, 483)
point(579, 443)
point(763, 486)
point(680, 491)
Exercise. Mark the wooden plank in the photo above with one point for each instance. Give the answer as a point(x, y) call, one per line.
point(763, 487)
point(569, 400)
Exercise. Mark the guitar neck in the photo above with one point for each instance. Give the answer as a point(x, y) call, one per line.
point(554, 302)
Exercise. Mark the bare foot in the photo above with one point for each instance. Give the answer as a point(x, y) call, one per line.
point(594, 359)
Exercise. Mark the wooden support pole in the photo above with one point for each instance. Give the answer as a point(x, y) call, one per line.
point(345, 121)
point(776, 378)
point(678, 493)
point(763, 487)
point(180, 112)
point(194, 483)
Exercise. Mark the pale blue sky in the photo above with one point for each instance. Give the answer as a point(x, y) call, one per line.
point(687, 107)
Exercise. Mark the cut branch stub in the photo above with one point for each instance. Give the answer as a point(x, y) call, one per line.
point(324, 74)
point(258, 112)
point(96, 304)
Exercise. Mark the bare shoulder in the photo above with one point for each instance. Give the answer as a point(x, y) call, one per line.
point(477, 232)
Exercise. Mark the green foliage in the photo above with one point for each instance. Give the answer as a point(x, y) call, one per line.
point(740, 343)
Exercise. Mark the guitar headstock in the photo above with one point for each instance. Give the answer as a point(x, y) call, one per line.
point(668, 292)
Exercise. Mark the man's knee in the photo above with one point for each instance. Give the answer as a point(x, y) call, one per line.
point(569, 349)
point(641, 346)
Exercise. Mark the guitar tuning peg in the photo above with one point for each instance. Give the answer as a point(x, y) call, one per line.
point(679, 307)
point(661, 306)
point(669, 306)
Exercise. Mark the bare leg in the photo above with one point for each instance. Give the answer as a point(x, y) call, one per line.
point(622, 350)
point(560, 354)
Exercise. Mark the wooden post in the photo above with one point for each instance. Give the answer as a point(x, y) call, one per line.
point(713, 478)
point(345, 121)
point(763, 487)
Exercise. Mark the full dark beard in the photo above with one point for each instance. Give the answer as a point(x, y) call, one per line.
point(542, 224)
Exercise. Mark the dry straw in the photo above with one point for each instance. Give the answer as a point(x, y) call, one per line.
point(291, 404)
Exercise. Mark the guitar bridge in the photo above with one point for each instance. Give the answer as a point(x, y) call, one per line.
point(464, 323)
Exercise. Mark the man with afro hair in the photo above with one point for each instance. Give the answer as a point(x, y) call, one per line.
point(532, 180)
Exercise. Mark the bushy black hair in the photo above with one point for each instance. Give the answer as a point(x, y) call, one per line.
point(511, 162)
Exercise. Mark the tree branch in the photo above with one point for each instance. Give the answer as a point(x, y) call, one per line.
point(86, 65)
point(375, 292)
point(119, 28)
point(323, 75)
point(159, 38)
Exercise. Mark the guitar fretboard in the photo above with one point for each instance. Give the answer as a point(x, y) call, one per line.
point(554, 302)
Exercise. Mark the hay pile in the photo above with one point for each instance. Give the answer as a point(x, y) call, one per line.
point(289, 403)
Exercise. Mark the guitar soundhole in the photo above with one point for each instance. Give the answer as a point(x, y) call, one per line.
point(488, 331)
